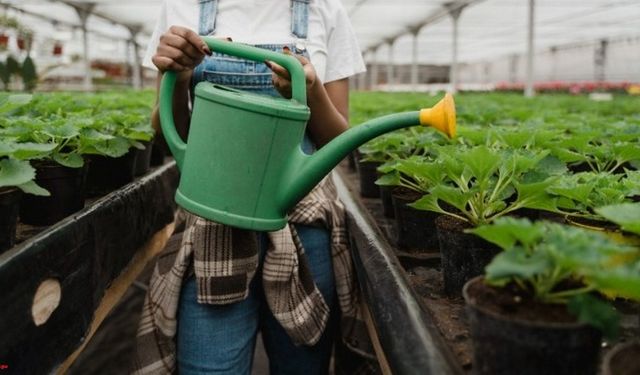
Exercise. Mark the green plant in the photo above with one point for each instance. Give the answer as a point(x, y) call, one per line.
point(561, 264)
point(580, 194)
point(483, 183)
point(75, 126)
point(15, 169)
point(626, 215)
point(416, 173)
point(598, 154)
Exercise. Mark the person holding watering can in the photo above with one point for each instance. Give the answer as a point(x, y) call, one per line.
point(208, 301)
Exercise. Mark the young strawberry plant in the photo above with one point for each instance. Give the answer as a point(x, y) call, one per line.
point(482, 183)
point(559, 264)
point(579, 194)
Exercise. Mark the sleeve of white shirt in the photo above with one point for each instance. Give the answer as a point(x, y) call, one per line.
point(344, 58)
point(161, 27)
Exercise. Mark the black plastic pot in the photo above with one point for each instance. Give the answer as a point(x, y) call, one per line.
point(623, 359)
point(387, 201)
point(107, 174)
point(9, 208)
point(67, 188)
point(463, 255)
point(505, 346)
point(159, 150)
point(351, 160)
point(368, 174)
point(415, 229)
point(143, 159)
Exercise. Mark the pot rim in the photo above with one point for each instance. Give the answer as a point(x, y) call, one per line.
point(606, 361)
point(536, 324)
point(8, 190)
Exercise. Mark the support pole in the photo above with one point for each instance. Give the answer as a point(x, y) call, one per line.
point(600, 60)
point(414, 59)
point(136, 73)
point(455, 9)
point(84, 11)
point(528, 90)
point(390, 72)
point(374, 68)
point(554, 62)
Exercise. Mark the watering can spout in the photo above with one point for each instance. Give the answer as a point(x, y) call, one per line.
point(312, 168)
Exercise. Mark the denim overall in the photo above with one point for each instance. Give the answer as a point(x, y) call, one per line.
point(221, 339)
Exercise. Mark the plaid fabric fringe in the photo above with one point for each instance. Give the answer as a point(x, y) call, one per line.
point(224, 261)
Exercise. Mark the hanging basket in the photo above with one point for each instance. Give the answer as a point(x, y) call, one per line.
point(22, 43)
point(57, 49)
point(4, 40)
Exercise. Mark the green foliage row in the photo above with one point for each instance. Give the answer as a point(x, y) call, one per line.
point(500, 131)
point(65, 127)
point(557, 153)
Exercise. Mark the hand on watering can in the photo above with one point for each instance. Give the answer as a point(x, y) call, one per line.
point(181, 50)
point(281, 78)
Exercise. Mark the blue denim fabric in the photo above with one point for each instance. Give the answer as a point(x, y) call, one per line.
point(207, 20)
point(215, 339)
point(299, 18)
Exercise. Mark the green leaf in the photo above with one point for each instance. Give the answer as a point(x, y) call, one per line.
point(535, 196)
point(389, 179)
point(113, 148)
point(70, 160)
point(517, 264)
point(31, 150)
point(595, 312)
point(506, 232)
point(427, 202)
point(15, 172)
point(626, 152)
point(452, 196)
point(622, 281)
point(627, 215)
point(32, 188)
point(482, 161)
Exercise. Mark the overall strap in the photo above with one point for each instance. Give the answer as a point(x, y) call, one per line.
point(299, 17)
point(207, 20)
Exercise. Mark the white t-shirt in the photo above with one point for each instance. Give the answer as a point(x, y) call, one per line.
point(331, 42)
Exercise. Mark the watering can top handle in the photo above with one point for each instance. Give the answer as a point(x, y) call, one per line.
point(290, 63)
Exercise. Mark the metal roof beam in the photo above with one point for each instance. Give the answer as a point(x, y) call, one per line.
point(431, 18)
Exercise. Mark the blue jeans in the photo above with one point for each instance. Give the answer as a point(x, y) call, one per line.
point(220, 339)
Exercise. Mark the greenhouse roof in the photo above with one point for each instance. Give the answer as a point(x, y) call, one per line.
point(487, 28)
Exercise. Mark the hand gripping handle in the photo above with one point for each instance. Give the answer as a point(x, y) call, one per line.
point(167, 86)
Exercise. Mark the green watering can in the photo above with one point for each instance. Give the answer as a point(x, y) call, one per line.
point(243, 164)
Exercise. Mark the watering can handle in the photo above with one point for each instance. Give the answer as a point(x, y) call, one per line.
point(167, 85)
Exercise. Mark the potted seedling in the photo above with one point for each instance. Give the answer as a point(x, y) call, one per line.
point(57, 156)
point(114, 164)
point(372, 155)
point(541, 307)
point(411, 178)
point(478, 185)
point(16, 176)
point(578, 195)
point(624, 359)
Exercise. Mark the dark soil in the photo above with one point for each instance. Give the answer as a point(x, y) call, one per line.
point(406, 194)
point(513, 302)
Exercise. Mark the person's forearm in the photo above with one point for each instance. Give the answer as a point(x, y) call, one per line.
point(180, 107)
point(326, 122)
